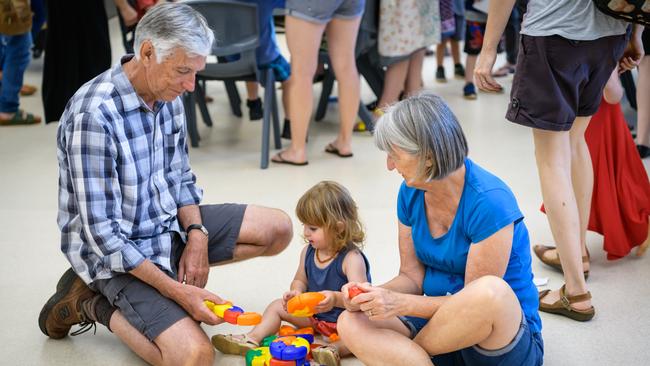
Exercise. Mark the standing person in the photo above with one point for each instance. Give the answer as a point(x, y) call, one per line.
point(332, 257)
point(464, 293)
point(131, 225)
point(306, 21)
point(15, 57)
point(454, 35)
point(77, 49)
point(568, 51)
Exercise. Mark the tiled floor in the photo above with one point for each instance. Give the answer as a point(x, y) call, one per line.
point(227, 168)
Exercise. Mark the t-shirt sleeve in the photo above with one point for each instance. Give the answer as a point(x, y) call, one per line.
point(403, 213)
point(492, 211)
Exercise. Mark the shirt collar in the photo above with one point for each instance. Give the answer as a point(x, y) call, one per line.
point(130, 99)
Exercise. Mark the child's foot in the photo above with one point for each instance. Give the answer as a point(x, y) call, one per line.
point(234, 344)
point(326, 355)
point(469, 91)
point(459, 71)
point(440, 75)
point(255, 110)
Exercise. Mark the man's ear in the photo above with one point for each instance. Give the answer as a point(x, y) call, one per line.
point(147, 52)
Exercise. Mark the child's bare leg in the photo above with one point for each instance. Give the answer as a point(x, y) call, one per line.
point(271, 320)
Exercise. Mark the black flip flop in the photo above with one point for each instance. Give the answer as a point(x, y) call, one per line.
point(333, 150)
point(282, 160)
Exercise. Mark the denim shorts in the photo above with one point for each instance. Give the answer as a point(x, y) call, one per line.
point(146, 309)
point(526, 349)
point(319, 11)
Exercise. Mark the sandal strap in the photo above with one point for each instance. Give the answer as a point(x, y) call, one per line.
point(568, 300)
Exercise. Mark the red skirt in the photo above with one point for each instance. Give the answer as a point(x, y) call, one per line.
point(620, 203)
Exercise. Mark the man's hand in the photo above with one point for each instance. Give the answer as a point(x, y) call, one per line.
point(632, 55)
point(192, 299)
point(483, 72)
point(194, 266)
point(328, 302)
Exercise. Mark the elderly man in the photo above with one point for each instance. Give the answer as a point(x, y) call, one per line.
point(139, 244)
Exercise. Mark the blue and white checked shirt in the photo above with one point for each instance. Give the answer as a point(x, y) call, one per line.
point(123, 173)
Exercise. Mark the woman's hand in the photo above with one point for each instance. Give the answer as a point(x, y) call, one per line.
point(328, 303)
point(288, 296)
point(347, 302)
point(378, 303)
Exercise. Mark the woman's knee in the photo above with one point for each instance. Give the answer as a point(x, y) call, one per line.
point(348, 323)
point(491, 290)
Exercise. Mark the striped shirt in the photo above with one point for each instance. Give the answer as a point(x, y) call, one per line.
point(123, 173)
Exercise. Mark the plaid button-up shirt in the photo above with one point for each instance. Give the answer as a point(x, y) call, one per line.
point(123, 173)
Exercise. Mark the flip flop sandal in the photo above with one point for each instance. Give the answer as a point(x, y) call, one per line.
point(555, 262)
point(563, 305)
point(326, 355)
point(334, 150)
point(231, 344)
point(279, 159)
point(20, 118)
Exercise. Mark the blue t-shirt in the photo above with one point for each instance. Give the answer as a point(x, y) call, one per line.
point(268, 49)
point(486, 206)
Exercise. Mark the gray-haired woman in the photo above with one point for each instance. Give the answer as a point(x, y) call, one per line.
point(464, 293)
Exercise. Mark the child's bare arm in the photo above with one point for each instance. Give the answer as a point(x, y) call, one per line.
point(299, 283)
point(354, 268)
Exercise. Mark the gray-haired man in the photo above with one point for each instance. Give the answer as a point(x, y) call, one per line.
point(131, 224)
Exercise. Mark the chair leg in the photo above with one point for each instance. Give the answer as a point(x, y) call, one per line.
point(200, 95)
point(328, 85)
point(276, 117)
point(190, 118)
point(366, 117)
point(266, 120)
point(233, 97)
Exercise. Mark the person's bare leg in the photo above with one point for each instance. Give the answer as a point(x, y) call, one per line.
point(272, 319)
point(440, 52)
point(251, 90)
point(341, 40)
point(643, 103)
point(393, 83)
point(553, 155)
point(184, 343)
point(264, 232)
point(455, 51)
point(485, 313)
point(303, 39)
point(645, 245)
point(414, 75)
point(470, 63)
point(383, 342)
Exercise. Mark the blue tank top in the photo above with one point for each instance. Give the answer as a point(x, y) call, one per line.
point(329, 278)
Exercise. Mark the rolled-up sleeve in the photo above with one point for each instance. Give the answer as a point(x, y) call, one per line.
point(92, 159)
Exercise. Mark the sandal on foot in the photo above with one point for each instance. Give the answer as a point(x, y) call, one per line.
point(555, 262)
point(20, 118)
point(231, 344)
point(326, 355)
point(563, 305)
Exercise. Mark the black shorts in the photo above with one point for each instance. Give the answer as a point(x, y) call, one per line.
point(146, 309)
point(557, 79)
point(474, 33)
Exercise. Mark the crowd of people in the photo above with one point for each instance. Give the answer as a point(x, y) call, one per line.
point(141, 242)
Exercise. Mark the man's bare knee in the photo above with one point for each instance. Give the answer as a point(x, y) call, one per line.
point(281, 233)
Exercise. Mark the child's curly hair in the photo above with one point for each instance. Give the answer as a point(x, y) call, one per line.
point(326, 204)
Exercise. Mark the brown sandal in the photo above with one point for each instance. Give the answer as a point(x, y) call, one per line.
point(231, 344)
point(555, 262)
point(563, 305)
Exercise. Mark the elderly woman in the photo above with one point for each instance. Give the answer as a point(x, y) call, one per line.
point(464, 293)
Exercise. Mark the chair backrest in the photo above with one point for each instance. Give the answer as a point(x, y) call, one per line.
point(236, 37)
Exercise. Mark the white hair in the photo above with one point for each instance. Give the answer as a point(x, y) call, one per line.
point(424, 126)
point(174, 25)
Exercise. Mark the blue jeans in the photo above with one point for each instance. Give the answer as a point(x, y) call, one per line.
point(15, 57)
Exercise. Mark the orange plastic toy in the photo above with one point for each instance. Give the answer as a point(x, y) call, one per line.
point(303, 305)
point(354, 291)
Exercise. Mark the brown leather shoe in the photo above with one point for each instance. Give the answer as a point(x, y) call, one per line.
point(555, 262)
point(563, 305)
point(63, 309)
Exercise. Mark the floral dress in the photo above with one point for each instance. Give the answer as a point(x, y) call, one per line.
point(406, 26)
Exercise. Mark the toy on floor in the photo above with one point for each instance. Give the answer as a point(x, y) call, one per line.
point(292, 350)
point(234, 314)
point(303, 305)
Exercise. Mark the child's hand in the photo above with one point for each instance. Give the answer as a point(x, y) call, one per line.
point(288, 296)
point(328, 303)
